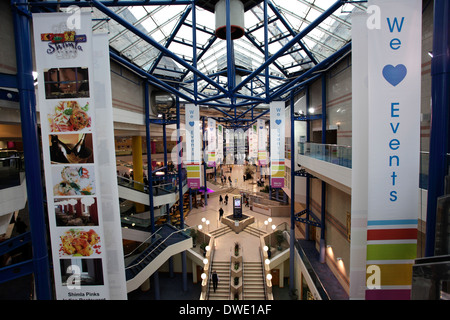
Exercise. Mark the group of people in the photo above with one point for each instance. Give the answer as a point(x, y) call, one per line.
point(224, 179)
point(221, 200)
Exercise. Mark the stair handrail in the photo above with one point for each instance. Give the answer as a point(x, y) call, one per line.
point(208, 282)
point(142, 243)
point(243, 277)
point(159, 244)
point(263, 272)
point(229, 272)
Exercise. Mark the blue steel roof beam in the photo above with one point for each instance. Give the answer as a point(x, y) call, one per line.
point(186, 43)
point(250, 38)
point(200, 55)
point(231, 67)
point(172, 36)
point(291, 31)
point(108, 3)
point(266, 49)
point(152, 42)
point(201, 28)
point(194, 48)
point(152, 79)
point(314, 69)
point(260, 25)
point(293, 41)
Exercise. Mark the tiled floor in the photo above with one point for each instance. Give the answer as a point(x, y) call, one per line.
point(224, 244)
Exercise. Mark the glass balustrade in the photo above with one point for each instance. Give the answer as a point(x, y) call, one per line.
point(339, 155)
point(342, 155)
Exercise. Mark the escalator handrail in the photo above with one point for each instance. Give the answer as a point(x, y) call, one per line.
point(159, 244)
point(145, 241)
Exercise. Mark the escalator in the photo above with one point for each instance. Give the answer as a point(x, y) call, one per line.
point(163, 193)
point(144, 260)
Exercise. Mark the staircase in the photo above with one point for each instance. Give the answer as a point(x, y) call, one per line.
point(253, 281)
point(254, 231)
point(220, 231)
point(223, 288)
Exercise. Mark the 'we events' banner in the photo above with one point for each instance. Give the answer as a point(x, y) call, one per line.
point(212, 143)
point(193, 140)
point(78, 156)
point(219, 144)
point(277, 137)
point(394, 86)
point(262, 142)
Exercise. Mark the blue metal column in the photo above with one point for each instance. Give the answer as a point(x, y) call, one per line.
point(439, 137)
point(231, 66)
point(41, 266)
point(180, 190)
point(149, 155)
point(266, 49)
point(324, 140)
point(205, 158)
point(292, 231)
point(308, 179)
point(150, 178)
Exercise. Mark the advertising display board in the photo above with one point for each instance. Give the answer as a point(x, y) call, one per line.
point(277, 137)
point(193, 152)
point(394, 88)
point(262, 142)
point(78, 157)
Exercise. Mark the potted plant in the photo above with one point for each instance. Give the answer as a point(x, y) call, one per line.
point(194, 237)
point(236, 281)
point(236, 265)
point(203, 248)
point(280, 238)
point(236, 249)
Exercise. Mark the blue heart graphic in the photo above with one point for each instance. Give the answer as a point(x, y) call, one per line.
point(260, 127)
point(278, 121)
point(394, 75)
point(191, 123)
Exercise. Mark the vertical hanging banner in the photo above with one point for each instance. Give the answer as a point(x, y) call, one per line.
point(77, 159)
point(360, 159)
point(229, 133)
point(193, 152)
point(277, 137)
point(262, 142)
point(219, 144)
point(212, 143)
point(239, 135)
point(394, 86)
point(253, 142)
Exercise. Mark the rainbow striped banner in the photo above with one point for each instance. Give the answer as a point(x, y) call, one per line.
point(394, 80)
point(193, 139)
point(277, 142)
point(391, 250)
point(193, 175)
point(277, 174)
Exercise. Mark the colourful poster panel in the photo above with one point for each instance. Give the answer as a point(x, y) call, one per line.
point(193, 151)
point(78, 158)
point(277, 137)
point(394, 87)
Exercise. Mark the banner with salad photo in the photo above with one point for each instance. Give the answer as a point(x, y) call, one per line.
point(75, 185)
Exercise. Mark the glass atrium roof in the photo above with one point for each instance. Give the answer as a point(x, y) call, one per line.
point(171, 27)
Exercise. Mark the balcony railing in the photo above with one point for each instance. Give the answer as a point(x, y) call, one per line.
point(340, 155)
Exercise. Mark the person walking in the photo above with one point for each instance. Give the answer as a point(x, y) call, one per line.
point(215, 280)
point(220, 214)
point(226, 199)
point(220, 199)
